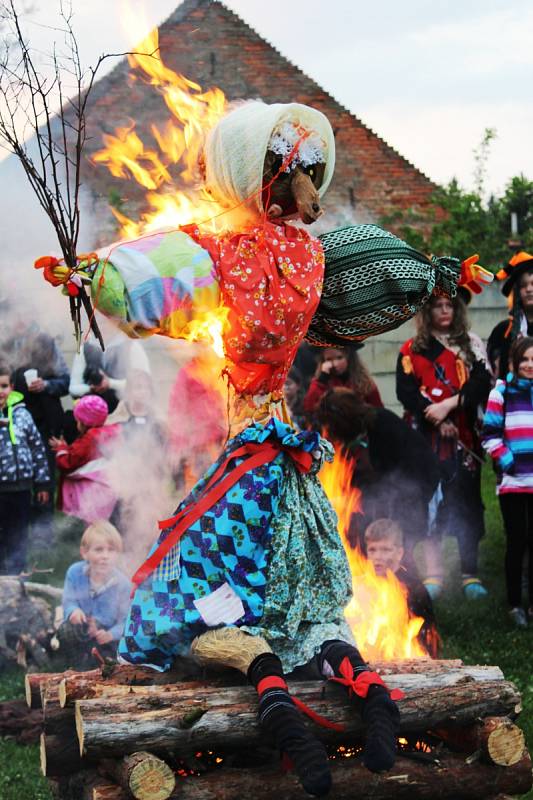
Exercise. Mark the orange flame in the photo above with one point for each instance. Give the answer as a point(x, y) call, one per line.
point(180, 142)
point(378, 613)
point(175, 159)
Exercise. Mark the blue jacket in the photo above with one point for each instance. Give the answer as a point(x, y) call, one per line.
point(108, 605)
point(23, 462)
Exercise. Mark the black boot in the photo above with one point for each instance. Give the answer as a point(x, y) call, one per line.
point(372, 699)
point(281, 719)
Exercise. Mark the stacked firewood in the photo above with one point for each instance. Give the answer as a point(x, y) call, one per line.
point(121, 732)
point(26, 622)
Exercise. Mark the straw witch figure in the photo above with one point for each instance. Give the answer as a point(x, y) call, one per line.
point(250, 571)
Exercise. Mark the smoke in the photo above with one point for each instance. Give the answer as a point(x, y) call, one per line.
point(340, 216)
point(166, 441)
point(27, 233)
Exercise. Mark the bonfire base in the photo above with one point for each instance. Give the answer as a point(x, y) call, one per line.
point(447, 778)
point(113, 734)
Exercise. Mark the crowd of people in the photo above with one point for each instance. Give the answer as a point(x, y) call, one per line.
point(419, 475)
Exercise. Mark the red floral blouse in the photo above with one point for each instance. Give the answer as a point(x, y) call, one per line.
point(270, 280)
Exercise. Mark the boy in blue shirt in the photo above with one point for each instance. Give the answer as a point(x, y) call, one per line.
point(96, 598)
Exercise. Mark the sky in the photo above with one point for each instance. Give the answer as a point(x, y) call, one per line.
point(428, 77)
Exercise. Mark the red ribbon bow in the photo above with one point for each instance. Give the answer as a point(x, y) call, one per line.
point(255, 455)
point(363, 682)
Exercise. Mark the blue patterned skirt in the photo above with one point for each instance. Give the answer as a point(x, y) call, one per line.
point(266, 557)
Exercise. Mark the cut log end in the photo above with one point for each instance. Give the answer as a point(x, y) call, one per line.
point(62, 693)
point(42, 754)
point(505, 745)
point(79, 727)
point(149, 778)
point(498, 740)
point(27, 690)
point(142, 775)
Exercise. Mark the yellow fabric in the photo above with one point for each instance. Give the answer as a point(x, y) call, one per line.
point(247, 409)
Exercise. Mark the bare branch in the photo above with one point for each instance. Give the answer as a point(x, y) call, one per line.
point(34, 103)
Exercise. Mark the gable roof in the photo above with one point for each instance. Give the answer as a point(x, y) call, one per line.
point(213, 46)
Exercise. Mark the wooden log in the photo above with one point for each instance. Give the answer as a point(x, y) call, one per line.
point(74, 685)
point(124, 674)
point(77, 687)
point(36, 683)
point(19, 722)
point(228, 718)
point(142, 774)
point(59, 722)
point(497, 739)
point(416, 665)
point(72, 689)
point(449, 777)
point(59, 755)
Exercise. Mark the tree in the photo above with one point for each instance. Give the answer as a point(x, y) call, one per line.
point(50, 110)
point(465, 223)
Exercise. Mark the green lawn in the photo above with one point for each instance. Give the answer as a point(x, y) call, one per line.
point(479, 633)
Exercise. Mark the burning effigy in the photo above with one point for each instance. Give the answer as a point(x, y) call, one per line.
point(250, 571)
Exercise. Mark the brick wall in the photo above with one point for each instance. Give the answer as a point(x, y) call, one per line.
point(214, 47)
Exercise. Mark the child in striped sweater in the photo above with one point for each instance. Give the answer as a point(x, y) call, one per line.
point(508, 438)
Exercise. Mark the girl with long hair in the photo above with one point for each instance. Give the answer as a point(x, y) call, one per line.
point(341, 367)
point(442, 379)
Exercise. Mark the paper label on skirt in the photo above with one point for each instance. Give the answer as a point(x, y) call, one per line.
point(221, 606)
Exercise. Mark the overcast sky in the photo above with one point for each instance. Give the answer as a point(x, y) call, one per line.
point(428, 77)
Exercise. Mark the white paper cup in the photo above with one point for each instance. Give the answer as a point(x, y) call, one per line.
point(30, 375)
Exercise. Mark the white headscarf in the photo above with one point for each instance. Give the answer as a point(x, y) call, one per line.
point(236, 147)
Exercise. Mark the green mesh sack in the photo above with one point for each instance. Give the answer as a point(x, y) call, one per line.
point(374, 282)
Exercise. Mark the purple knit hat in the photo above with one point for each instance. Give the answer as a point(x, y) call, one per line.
point(91, 410)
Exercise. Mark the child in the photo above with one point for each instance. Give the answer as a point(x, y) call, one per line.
point(395, 468)
point(23, 467)
point(508, 438)
point(341, 366)
point(294, 395)
point(84, 490)
point(384, 548)
point(96, 597)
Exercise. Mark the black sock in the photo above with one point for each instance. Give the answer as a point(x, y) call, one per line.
point(382, 718)
point(281, 719)
point(333, 652)
point(379, 712)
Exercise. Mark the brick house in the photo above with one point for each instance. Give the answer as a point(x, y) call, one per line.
point(213, 46)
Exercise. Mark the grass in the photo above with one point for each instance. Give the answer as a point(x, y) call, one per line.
point(479, 633)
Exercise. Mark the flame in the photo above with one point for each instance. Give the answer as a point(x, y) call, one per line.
point(378, 613)
point(173, 159)
point(179, 145)
point(209, 329)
